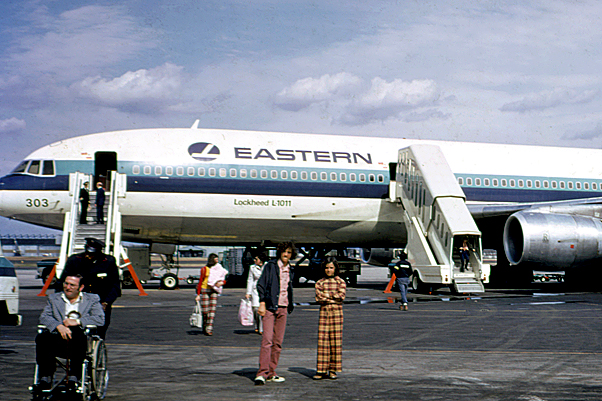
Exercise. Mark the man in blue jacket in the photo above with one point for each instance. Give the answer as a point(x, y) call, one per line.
point(275, 290)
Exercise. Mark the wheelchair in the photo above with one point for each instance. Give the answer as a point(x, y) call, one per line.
point(94, 377)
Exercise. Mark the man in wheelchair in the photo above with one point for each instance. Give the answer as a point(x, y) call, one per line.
point(66, 316)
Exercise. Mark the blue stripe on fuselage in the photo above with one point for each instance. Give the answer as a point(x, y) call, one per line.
point(18, 182)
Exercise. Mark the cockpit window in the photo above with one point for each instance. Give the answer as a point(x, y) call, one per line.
point(48, 167)
point(34, 167)
point(21, 167)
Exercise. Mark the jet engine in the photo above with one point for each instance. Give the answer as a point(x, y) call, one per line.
point(555, 240)
point(377, 256)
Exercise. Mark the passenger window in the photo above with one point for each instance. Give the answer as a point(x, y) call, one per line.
point(294, 175)
point(212, 172)
point(222, 172)
point(469, 181)
point(314, 175)
point(362, 177)
point(202, 171)
point(486, 182)
point(274, 174)
point(323, 176)
point(264, 174)
point(570, 184)
point(284, 174)
point(521, 183)
point(136, 169)
point(537, 184)
point(554, 184)
point(243, 173)
point(158, 170)
point(180, 171)
point(48, 167)
point(253, 173)
point(381, 178)
point(460, 181)
point(546, 184)
point(477, 181)
point(169, 170)
point(304, 175)
point(512, 183)
point(594, 185)
point(578, 185)
point(371, 178)
point(504, 182)
point(352, 177)
point(495, 182)
point(333, 176)
point(343, 177)
point(529, 183)
point(233, 172)
point(586, 185)
point(191, 171)
point(34, 167)
point(562, 184)
point(147, 170)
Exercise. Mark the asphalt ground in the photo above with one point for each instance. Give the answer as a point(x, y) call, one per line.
point(533, 344)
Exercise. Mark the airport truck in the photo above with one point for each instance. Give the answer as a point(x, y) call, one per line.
point(9, 294)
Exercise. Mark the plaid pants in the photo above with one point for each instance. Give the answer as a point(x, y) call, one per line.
point(208, 306)
point(330, 339)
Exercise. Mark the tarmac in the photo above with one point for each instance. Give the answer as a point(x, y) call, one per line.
point(539, 343)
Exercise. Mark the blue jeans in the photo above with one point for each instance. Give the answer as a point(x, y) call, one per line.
point(402, 283)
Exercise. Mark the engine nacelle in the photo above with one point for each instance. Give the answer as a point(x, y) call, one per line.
point(377, 256)
point(555, 240)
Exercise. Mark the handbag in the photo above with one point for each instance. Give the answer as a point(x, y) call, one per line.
point(196, 319)
point(245, 313)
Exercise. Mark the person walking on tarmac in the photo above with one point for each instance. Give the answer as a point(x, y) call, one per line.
point(100, 276)
point(403, 273)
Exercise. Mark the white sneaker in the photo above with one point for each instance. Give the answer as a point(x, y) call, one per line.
point(259, 381)
point(276, 379)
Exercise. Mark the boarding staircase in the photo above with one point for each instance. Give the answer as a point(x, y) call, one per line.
point(438, 221)
point(75, 234)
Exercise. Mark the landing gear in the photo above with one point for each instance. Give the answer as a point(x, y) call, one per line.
point(169, 281)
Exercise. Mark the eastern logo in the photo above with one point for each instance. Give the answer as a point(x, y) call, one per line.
point(203, 151)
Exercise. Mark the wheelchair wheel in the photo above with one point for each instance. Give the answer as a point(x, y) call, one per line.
point(99, 373)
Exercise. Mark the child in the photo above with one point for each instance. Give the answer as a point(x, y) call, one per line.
point(330, 293)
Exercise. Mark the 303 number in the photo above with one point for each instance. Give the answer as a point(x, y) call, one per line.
point(36, 202)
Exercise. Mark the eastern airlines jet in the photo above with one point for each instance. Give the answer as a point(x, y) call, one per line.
point(211, 186)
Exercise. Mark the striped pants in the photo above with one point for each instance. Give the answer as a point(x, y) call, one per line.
point(208, 306)
point(330, 339)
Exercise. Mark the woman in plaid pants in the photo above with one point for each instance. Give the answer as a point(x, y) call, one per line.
point(207, 293)
point(330, 293)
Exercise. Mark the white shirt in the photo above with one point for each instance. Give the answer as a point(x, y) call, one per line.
point(72, 309)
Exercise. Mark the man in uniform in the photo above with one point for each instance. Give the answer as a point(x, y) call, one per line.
point(101, 276)
point(403, 273)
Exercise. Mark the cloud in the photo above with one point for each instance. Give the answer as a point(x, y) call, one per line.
point(585, 135)
point(388, 99)
point(552, 98)
point(307, 91)
point(142, 90)
point(70, 45)
point(11, 125)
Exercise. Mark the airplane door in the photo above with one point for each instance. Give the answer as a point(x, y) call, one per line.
point(104, 163)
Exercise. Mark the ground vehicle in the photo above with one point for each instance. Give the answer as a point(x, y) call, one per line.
point(349, 268)
point(9, 294)
point(44, 268)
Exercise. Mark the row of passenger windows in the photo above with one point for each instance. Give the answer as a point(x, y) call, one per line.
point(253, 173)
point(528, 183)
point(35, 167)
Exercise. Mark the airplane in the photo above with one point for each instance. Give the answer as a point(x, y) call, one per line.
point(536, 205)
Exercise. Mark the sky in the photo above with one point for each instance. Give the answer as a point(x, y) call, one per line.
point(526, 72)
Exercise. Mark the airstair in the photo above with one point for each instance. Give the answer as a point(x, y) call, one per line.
point(75, 234)
point(438, 222)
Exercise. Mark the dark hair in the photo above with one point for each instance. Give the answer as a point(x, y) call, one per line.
point(283, 246)
point(262, 256)
point(211, 257)
point(79, 276)
point(333, 260)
